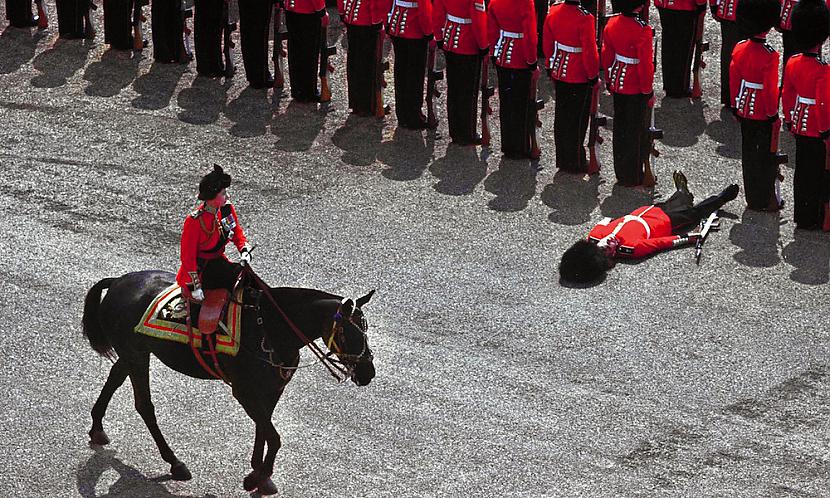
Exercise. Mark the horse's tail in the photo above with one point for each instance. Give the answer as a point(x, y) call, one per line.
point(91, 324)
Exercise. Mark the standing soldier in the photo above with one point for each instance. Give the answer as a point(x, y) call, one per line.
point(511, 27)
point(678, 19)
point(118, 23)
point(207, 37)
point(19, 13)
point(167, 23)
point(364, 22)
point(724, 11)
point(570, 49)
point(461, 32)
point(627, 58)
point(785, 26)
point(410, 26)
point(305, 20)
point(73, 16)
point(806, 111)
point(254, 31)
point(753, 81)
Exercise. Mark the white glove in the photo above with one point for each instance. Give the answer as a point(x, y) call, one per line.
point(198, 295)
point(245, 256)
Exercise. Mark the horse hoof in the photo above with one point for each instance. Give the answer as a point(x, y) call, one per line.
point(267, 487)
point(180, 472)
point(251, 481)
point(98, 438)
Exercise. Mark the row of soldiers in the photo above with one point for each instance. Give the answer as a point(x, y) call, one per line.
point(580, 46)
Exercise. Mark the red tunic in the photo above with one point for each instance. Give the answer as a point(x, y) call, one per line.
point(363, 12)
point(204, 236)
point(461, 24)
point(511, 32)
point(726, 9)
point(410, 19)
point(679, 4)
point(304, 6)
point(645, 231)
point(802, 97)
point(787, 7)
point(627, 55)
point(753, 79)
point(570, 44)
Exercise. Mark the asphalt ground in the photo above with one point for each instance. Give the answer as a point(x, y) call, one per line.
point(667, 379)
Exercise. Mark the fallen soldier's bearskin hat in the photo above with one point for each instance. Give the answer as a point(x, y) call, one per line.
point(583, 262)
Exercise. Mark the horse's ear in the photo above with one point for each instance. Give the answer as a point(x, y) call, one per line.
point(347, 308)
point(365, 299)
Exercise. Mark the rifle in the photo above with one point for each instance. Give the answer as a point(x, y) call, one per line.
point(779, 157)
point(279, 52)
point(654, 133)
point(487, 91)
point(433, 76)
point(326, 68)
point(138, 18)
point(42, 15)
point(594, 138)
point(536, 105)
point(711, 223)
point(700, 47)
point(380, 82)
point(228, 27)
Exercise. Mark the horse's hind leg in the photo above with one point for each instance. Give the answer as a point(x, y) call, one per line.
point(140, 378)
point(118, 373)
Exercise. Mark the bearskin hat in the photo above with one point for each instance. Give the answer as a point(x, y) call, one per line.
point(213, 183)
point(811, 24)
point(625, 6)
point(583, 262)
point(757, 16)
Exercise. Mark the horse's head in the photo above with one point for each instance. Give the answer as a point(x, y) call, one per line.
point(347, 339)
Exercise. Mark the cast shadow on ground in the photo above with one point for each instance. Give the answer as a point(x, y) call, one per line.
point(113, 73)
point(727, 133)
point(156, 88)
point(17, 47)
point(809, 254)
point(623, 200)
point(572, 197)
point(130, 483)
point(204, 101)
point(60, 62)
point(251, 112)
point(758, 236)
point(407, 155)
point(359, 138)
point(297, 128)
point(459, 171)
point(513, 183)
point(686, 111)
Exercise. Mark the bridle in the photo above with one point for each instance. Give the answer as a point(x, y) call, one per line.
point(338, 337)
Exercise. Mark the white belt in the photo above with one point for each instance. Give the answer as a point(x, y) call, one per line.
point(406, 5)
point(805, 100)
point(754, 86)
point(459, 20)
point(568, 48)
point(511, 34)
point(627, 60)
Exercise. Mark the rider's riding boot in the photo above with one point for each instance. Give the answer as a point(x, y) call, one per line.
point(212, 309)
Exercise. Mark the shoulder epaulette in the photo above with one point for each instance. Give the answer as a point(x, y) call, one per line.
point(196, 212)
point(584, 11)
point(642, 23)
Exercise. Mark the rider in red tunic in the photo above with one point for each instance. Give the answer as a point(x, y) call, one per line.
point(206, 274)
point(646, 230)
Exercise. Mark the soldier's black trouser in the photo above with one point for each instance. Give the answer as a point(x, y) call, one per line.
point(570, 125)
point(811, 182)
point(758, 164)
point(677, 48)
point(118, 23)
point(219, 273)
point(683, 213)
point(304, 39)
point(19, 13)
point(631, 138)
point(71, 17)
point(361, 68)
point(254, 31)
point(207, 37)
point(167, 20)
point(463, 87)
point(730, 36)
point(515, 111)
point(410, 71)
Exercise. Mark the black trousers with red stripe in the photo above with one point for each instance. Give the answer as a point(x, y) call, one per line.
point(631, 138)
point(254, 33)
point(361, 68)
point(758, 164)
point(570, 125)
point(410, 71)
point(304, 38)
point(463, 88)
point(677, 48)
point(514, 111)
point(683, 213)
point(811, 183)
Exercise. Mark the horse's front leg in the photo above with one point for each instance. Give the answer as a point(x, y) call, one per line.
point(263, 467)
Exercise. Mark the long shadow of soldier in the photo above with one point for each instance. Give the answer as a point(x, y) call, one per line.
point(408, 154)
point(130, 483)
point(157, 86)
point(727, 132)
point(809, 253)
point(359, 139)
point(60, 62)
point(17, 47)
point(758, 236)
point(513, 183)
point(251, 111)
point(298, 126)
point(623, 200)
point(688, 112)
point(573, 197)
point(114, 72)
point(204, 101)
point(459, 171)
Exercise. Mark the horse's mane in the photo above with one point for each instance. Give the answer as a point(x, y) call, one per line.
point(300, 294)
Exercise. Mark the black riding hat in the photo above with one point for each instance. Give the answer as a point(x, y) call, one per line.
point(213, 183)
point(757, 16)
point(811, 24)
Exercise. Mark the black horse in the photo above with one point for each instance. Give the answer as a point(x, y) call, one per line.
point(258, 374)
